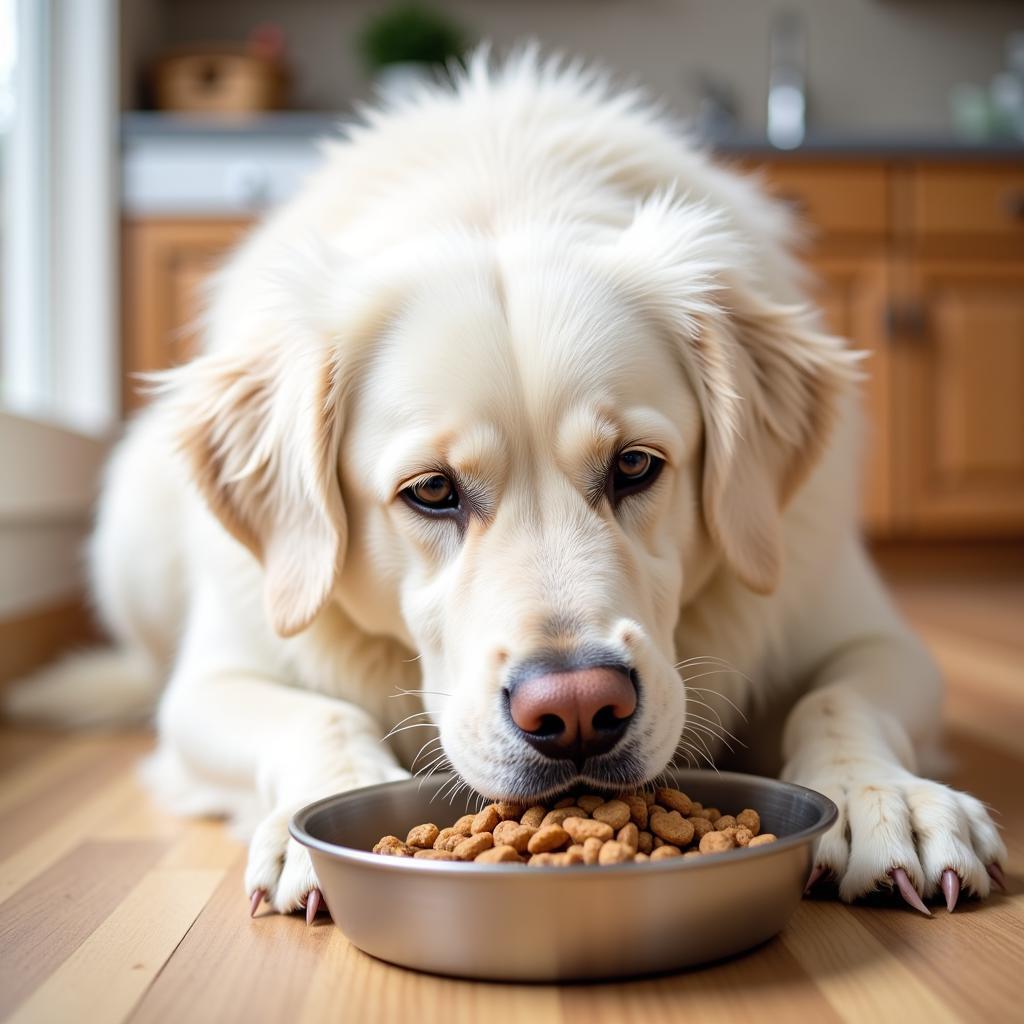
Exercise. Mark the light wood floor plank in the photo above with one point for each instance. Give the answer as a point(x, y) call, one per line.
point(49, 918)
point(107, 975)
point(855, 972)
point(75, 827)
point(245, 969)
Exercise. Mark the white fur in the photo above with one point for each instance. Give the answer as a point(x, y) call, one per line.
point(515, 278)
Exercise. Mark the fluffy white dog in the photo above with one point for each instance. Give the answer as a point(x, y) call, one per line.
point(517, 410)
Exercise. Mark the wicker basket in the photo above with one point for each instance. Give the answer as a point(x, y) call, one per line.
point(219, 80)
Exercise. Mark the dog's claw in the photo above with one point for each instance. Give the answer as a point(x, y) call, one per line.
point(255, 900)
point(950, 883)
point(816, 875)
point(907, 891)
point(312, 905)
point(995, 872)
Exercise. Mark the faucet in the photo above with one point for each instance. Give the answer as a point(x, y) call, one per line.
point(787, 93)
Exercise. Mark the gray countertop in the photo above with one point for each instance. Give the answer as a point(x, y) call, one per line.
point(147, 126)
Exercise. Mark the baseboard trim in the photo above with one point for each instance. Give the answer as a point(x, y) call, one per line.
point(30, 640)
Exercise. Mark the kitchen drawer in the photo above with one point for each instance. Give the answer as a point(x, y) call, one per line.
point(835, 199)
point(965, 200)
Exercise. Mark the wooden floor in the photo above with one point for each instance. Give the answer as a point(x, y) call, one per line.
point(111, 911)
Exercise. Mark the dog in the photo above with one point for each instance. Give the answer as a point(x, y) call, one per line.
point(517, 412)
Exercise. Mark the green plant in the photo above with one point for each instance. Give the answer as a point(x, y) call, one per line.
point(411, 33)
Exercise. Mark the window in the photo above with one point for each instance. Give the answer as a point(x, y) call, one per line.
point(58, 117)
point(58, 267)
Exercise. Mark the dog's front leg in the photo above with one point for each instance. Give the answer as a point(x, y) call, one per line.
point(857, 736)
point(235, 729)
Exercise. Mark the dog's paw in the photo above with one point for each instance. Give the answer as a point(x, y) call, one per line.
point(279, 870)
point(897, 830)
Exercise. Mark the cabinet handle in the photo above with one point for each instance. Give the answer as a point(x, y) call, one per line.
point(906, 320)
point(1013, 204)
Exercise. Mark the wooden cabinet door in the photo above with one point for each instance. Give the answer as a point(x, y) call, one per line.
point(165, 264)
point(852, 293)
point(958, 379)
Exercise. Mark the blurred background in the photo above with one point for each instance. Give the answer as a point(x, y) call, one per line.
point(140, 140)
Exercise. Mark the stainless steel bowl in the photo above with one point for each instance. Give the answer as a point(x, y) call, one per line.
point(513, 923)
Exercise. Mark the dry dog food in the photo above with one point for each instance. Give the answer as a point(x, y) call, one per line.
point(587, 829)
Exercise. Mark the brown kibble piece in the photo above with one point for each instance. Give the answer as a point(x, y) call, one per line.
point(724, 821)
point(533, 816)
point(547, 839)
point(591, 850)
point(392, 846)
point(614, 813)
point(464, 824)
point(582, 829)
point(614, 852)
point(499, 855)
point(666, 851)
point(639, 858)
point(423, 836)
point(716, 842)
point(691, 853)
point(637, 809)
point(645, 842)
point(559, 814)
point(648, 799)
point(742, 837)
point(442, 838)
point(471, 848)
point(711, 813)
point(589, 802)
point(510, 833)
point(672, 827)
point(730, 832)
point(485, 820)
point(567, 802)
point(629, 835)
point(433, 855)
point(749, 819)
point(701, 826)
point(452, 841)
point(574, 855)
point(509, 811)
point(674, 800)
point(762, 840)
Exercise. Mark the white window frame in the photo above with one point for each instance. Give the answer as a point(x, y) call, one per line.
point(59, 404)
point(60, 328)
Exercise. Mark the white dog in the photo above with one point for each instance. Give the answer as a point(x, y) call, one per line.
point(517, 409)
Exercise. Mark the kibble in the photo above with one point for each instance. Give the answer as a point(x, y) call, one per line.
point(586, 829)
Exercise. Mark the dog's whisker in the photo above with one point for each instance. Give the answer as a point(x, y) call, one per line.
point(713, 729)
point(423, 751)
point(700, 754)
point(722, 696)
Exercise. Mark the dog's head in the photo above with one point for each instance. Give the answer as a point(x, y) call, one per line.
point(521, 456)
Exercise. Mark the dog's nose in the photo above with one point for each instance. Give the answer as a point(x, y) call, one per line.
point(576, 714)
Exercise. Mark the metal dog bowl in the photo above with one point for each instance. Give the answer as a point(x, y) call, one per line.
point(514, 923)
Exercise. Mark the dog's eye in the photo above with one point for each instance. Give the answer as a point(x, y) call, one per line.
point(435, 493)
point(632, 471)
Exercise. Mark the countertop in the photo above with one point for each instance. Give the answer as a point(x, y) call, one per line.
point(152, 126)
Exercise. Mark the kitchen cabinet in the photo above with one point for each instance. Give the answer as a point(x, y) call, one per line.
point(922, 266)
point(919, 262)
point(166, 262)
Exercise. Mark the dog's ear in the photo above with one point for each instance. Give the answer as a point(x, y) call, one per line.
point(768, 380)
point(771, 386)
point(259, 432)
